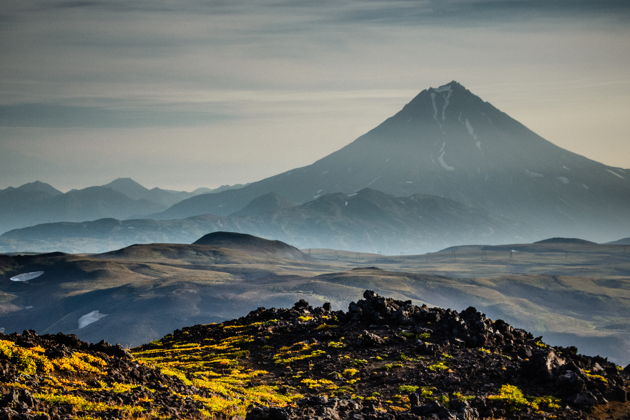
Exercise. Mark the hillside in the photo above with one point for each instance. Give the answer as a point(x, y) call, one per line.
point(381, 359)
point(250, 244)
point(575, 294)
point(450, 143)
point(622, 241)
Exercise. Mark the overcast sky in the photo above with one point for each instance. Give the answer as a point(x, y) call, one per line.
point(189, 93)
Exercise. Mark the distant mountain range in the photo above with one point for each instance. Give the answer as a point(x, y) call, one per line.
point(368, 220)
point(447, 169)
point(38, 202)
point(622, 241)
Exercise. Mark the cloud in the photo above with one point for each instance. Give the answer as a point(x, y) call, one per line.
point(288, 80)
point(53, 115)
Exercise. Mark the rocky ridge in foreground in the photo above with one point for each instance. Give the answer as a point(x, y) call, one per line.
point(382, 359)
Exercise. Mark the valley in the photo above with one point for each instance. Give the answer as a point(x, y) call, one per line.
point(571, 292)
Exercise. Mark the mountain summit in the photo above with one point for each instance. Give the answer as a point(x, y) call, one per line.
point(449, 142)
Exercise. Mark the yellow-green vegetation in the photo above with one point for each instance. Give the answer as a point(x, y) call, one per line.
point(438, 366)
point(405, 358)
point(14, 385)
point(463, 397)
point(515, 398)
point(547, 401)
point(408, 389)
point(512, 395)
point(31, 361)
point(350, 372)
point(297, 351)
point(218, 368)
point(324, 326)
point(390, 366)
point(427, 391)
point(80, 362)
point(589, 374)
point(319, 383)
point(336, 344)
point(61, 380)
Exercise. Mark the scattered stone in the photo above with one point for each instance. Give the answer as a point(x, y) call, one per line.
point(383, 359)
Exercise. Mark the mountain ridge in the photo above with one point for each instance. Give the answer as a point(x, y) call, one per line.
point(449, 142)
point(368, 220)
point(37, 202)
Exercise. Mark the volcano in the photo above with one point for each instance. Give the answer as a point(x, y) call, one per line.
point(450, 143)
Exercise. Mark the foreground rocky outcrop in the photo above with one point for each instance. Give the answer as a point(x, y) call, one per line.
point(382, 359)
point(60, 377)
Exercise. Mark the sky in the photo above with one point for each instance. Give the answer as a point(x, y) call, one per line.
point(190, 93)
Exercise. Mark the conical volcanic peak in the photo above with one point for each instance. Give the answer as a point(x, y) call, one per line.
point(449, 142)
point(453, 87)
point(448, 103)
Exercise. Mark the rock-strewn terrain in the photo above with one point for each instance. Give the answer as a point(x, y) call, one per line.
point(382, 359)
point(60, 377)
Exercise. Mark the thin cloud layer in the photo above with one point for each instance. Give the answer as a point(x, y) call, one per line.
point(305, 77)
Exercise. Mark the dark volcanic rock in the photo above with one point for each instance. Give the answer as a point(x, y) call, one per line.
point(60, 377)
point(383, 359)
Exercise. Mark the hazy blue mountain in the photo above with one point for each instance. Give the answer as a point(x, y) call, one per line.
point(205, 190)
point(34, 187)
point(93, 202)
point(38, 202)
point(127, 186)
point(136, 191)
point(16, 203)
point(266, 203)
point(622, 241)
point(366, 221)
point(449, 142)
point(373, 221)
